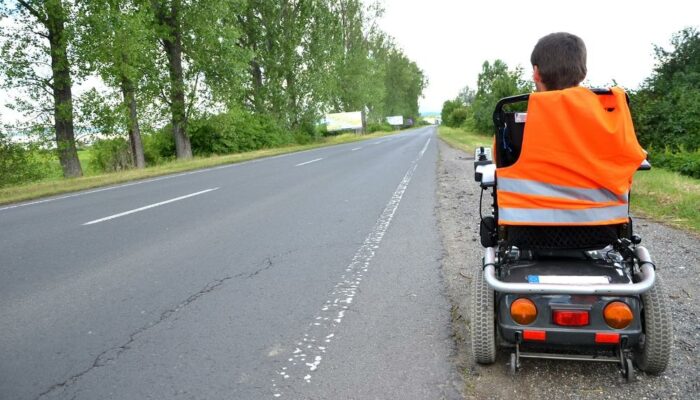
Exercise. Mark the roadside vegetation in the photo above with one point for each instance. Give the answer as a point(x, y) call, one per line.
point(95, 178)
point(177, 80)
point(666, 113)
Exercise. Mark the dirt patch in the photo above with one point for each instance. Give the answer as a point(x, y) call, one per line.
point(675, 252)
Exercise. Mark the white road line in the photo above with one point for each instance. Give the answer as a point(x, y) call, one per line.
point(149, 206)
point(356, 148)
point(310, 349)
point(160, 178)
point(308, 162)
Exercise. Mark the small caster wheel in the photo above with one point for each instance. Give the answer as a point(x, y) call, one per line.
point(513, 367)
point(628, 371)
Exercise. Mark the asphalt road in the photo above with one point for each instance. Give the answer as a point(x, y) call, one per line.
point(309, 275)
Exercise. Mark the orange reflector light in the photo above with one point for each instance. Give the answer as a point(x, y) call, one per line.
point(618, 315)
point(607, 338)
point(570, 317)
point(539, 336)
point(523, 311)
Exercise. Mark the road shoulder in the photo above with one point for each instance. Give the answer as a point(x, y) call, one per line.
point(674, 251)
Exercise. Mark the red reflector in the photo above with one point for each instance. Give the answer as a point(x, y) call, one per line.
point(570, 317)
point(539, 336)
point(613, 338)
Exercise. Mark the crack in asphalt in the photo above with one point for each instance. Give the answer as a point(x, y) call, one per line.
point(113, 353)
point(268, 264)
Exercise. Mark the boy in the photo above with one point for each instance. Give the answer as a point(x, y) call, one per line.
point(572, 163)
point(558, 61)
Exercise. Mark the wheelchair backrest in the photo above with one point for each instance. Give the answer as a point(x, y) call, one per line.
point(568, 162)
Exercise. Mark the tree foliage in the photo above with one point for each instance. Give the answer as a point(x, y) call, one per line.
point(217, 75)
point(35, 56)
point(474, 108)
point(666, 109)
point(495, 82)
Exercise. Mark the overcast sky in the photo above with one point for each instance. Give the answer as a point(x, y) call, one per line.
point(450, 40)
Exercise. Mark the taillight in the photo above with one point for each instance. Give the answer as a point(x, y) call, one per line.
point(618, 315)
point(570, 317)
point(523, 311)
point(537, 336)
point(607, 338)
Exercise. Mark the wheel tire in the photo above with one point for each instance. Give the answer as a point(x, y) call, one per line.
point(513, 366)
point(483, 329)
point(653, 357)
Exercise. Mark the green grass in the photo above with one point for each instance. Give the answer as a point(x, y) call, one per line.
point(665, 196)
point(58, 185)
point(463, 140)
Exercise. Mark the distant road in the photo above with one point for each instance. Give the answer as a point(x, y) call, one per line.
point(309, 275)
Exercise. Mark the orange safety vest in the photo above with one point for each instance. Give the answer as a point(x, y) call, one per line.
point(578, 156)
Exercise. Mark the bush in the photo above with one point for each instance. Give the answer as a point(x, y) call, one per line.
point(686, 163)
point(19, 163)
point(237, 131)
point(159, 146)
point(458, 116)
point(110, 155)
point(379, 127)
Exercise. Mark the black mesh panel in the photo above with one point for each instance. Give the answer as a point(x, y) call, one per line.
point(561, 237)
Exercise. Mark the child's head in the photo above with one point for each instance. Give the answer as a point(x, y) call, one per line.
point(559, 61)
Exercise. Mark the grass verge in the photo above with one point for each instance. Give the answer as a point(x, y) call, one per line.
point(665, 196)
point(463, 140)
point(56, 186)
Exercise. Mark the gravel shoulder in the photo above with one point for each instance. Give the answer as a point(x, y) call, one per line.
point(676, 255)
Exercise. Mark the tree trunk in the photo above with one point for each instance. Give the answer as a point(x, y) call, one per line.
point(128, 91)
point(258, 101)
point(173, 50)
point(61, 86)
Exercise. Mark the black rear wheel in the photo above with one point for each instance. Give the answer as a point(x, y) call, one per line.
point(483, 328)
point(655, 351)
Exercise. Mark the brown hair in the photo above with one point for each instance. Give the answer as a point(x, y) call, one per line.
point(561, 60)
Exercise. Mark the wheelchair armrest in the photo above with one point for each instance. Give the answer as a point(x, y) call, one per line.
point(644, 166)
point(482, 157)
point(485, 175)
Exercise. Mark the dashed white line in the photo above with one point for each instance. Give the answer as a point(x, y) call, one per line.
point(324, 326)
point(149, 206)
point(308, 162)
point(356, 148)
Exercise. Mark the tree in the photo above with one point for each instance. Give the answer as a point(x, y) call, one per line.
point(44, 71)
point(115, 40)
point(404, 85)
point(666, 109)
point(199, 39)
point(466, 95)
point(495, 82)
point(168, 17)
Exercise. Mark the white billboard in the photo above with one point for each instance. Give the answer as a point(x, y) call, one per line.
point(395, 120)
point(343, 121)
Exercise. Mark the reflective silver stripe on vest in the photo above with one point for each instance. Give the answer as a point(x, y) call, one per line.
point(526, 186)
point(555, 216)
